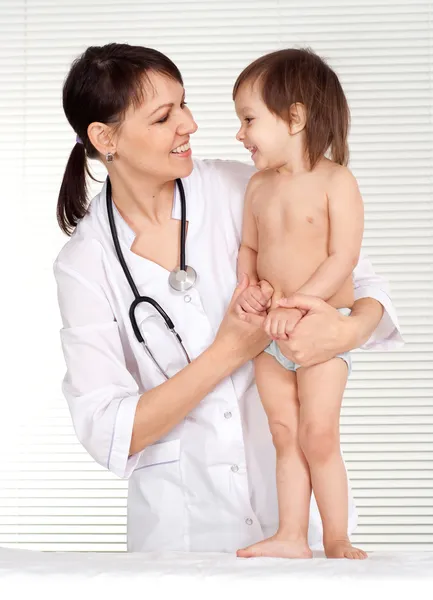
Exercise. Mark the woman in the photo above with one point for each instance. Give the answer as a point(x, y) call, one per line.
point(196, 446)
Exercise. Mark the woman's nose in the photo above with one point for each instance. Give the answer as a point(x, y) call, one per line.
point(194, 126)
point(240, 135)
point(188, 126)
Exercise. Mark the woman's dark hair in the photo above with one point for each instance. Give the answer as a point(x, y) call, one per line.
point(290, 76)
point(101, 85)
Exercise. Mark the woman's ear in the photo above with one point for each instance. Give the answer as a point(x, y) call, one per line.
point(298, 118)
point(101, 137)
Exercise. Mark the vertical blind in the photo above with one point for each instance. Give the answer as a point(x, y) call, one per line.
point(52, 495)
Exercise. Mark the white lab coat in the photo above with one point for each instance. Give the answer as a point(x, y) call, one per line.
point(209, 485)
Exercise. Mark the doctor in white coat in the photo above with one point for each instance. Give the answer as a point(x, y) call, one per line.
point(195, 447)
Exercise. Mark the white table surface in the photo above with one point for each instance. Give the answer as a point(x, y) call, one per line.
point(101, 576)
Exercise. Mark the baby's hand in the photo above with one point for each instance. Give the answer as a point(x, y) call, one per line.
point(267, 292)
point(280, 322)
point(255, 299)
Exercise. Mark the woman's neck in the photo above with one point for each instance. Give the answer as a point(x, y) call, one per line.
point(142, 201)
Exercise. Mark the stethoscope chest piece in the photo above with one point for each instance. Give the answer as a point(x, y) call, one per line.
point(181, 280)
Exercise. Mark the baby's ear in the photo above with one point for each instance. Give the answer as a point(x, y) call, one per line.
point(298, 117)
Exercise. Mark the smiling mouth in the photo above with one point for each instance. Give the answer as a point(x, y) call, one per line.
point(181, 149)
point(252, 149)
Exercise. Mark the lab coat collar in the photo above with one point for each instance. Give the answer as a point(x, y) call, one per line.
point(146, 273)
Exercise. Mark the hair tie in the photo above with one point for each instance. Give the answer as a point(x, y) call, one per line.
point(79, 140)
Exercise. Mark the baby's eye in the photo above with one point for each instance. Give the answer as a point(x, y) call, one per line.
point(248, 120)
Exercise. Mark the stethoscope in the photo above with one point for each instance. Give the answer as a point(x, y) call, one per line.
point(181, 279)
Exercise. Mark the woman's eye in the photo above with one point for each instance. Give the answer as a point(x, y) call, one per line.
point(248, 120)
point(165, 119)
point(183, 104)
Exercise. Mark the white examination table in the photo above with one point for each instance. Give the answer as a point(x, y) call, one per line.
point(101, 576)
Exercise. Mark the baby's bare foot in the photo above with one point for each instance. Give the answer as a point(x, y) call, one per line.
point(277, 547)
point(343, 549)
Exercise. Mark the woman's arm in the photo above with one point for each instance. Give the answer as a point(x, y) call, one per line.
point(365, 317)
point(111, 418)
point(163, 407)
point(324, 332)
point(327, 331)
point(368, 284)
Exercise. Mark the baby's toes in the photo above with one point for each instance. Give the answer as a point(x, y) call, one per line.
point(356, 554)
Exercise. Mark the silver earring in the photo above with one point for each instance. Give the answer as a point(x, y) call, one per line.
point(109, 157)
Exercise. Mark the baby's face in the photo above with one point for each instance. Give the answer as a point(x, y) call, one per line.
point(264, 134)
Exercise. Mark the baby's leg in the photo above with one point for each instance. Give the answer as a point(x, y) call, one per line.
point(277, 388)
point(320, 390)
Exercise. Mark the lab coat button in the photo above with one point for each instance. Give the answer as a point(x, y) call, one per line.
point(228, 415)
point(234, 468)
point(187, 298)
point(249, 521)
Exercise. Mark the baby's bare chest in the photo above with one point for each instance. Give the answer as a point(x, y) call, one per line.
point(292, 212)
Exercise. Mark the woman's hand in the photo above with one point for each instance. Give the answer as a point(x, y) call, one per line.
point(320, 335)
point(237, 339)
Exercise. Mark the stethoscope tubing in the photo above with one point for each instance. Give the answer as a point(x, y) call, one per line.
point(147, 299)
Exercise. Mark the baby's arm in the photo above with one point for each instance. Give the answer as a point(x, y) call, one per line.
point(247, 257)
point(346, 221)
point(257, 297)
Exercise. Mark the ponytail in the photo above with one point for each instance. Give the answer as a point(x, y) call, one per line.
point(72, 202)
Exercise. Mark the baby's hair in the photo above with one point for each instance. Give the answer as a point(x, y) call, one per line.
point(294, 76)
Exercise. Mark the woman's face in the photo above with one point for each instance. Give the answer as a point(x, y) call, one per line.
point(154, 138)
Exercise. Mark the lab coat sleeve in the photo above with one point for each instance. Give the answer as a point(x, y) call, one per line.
point(234, 177)
point(368, 284)
point(102, 395)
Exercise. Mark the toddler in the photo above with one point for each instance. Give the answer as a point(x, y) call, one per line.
point(302, 232)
